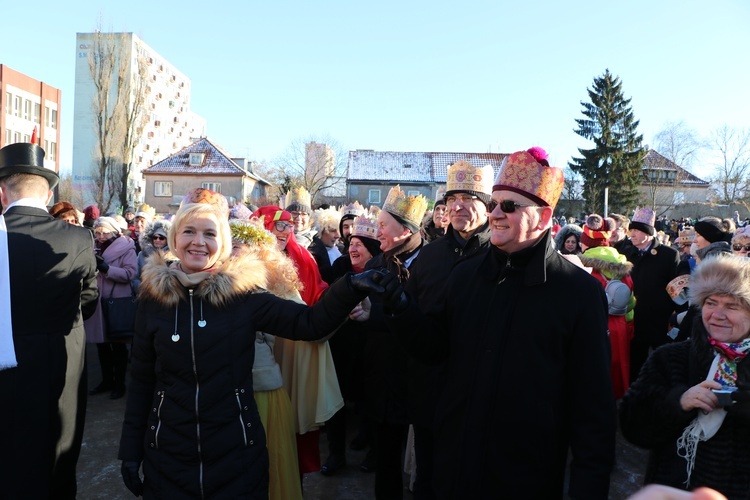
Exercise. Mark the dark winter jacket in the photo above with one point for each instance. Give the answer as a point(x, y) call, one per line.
point(427, 280)
point(190, 414)
point(651, 417)
point(524, 385)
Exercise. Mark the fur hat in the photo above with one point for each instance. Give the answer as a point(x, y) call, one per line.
point(61, 208)
point(91, 212)
point(597, 231)
point(25, 158)
point(326, 218)
point(644, 220)
point(712, 229)
point(566, 231)
point(529, 173)
point(463, 177)
point(721, 275)
point(407, 210)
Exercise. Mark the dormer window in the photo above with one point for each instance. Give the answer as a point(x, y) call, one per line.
point(196, 159)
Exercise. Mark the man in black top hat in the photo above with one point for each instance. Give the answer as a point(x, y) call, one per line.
point(50, 271)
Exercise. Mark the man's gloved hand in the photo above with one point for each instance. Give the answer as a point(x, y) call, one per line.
point(131, 478)
point(101, 265)
point(383, 285)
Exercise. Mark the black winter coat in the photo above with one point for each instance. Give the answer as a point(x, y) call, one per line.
point(651, 417)
point(525, 385)
point(190, 414)
point(427, 280)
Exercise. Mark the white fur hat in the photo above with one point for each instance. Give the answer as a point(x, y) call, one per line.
point(721, 275)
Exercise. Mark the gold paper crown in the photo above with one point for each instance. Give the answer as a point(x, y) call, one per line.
point(354, 209)
point(409, 208)
point(202, 195)
point(686, 236)
point(146, 210)
point(366, 227)
point(675, 286)
point(298, 196)
point(463, 176)
point(251, 232)
point(523, 174)
point(326, 218)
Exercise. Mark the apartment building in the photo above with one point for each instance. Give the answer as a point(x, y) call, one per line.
point(25, 104)
point(170, 124)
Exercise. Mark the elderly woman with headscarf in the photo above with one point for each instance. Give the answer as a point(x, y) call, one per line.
point(691, 402)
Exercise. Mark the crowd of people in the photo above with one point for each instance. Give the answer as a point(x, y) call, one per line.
point(257, 327)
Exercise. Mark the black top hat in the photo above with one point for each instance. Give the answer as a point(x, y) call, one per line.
point(25, 158)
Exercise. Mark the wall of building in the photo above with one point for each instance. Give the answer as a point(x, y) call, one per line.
point(171, 124)
point(26, 103)
point(360, 191)
point(181, 184)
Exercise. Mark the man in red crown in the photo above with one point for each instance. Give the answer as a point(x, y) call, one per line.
point(524, 389)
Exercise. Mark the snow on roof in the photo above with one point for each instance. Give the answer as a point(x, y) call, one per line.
point(655, 161)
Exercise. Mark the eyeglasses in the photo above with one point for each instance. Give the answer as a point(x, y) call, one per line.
point(282, 226)
point(461, 198)
point(741, 248)
point(507, 206)
point(102, 233)
point(158, 237)
point(296, 215)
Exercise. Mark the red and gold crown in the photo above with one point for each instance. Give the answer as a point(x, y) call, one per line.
point(675, 286)
point(686, 236)
point(463, 177)
point(528, 173)
point(409, 208)
point(366, 227)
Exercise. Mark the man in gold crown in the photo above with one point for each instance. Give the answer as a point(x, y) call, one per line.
point(468, 192)
point(384, 392)
point(524, 389)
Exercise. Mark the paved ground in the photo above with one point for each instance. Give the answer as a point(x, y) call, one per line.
point(99, 469)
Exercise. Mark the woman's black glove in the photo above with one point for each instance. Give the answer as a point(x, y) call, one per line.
point(101, 265)
point(131, 478)
point(384, 285)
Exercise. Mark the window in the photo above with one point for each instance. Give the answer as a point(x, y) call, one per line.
point(52, 152)
point(678, 198)
point(26, 109)
point(17, 105)
point(196, 159)
point(413, 193)
point(54, 119)
point(46, 116)
point(16, 136)
point(8, 136)
point(9, 104)
point(373, 197)
point(37, 112)
point(163, 188)
point(213, 186)
point(26, 138)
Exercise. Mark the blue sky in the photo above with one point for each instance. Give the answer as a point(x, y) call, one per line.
point(471, 76)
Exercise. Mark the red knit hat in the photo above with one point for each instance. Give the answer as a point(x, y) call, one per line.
point(272, 214)
point(597, 230)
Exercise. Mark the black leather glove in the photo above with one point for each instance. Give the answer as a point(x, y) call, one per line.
point(131, 478)
point(101, 265)
point(383, 285)
point(367, 281)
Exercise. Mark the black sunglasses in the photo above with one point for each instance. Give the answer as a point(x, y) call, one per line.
point(739, 248)
point(158, 237)
point(507, 206)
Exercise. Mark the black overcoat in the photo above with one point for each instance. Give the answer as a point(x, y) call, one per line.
point(52, 289)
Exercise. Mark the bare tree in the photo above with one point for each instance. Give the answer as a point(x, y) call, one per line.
point(732, 148)
point(65, 192)
point(661, 184)
point(135, 120)
point(679, 144)
point(119, 115)
point(108, 113)
point(316, 163)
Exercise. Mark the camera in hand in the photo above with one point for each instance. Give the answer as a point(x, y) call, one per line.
point(725, 395)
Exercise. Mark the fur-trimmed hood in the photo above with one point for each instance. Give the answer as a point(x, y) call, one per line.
point(563, 234)
point(607, 261)
point(160, 226)
point(235, 277)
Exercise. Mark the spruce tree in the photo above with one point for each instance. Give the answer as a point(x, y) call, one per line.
point(616, 160)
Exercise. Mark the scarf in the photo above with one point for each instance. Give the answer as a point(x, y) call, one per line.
point(724, 371)
point(7, 349)
point(395, 258)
